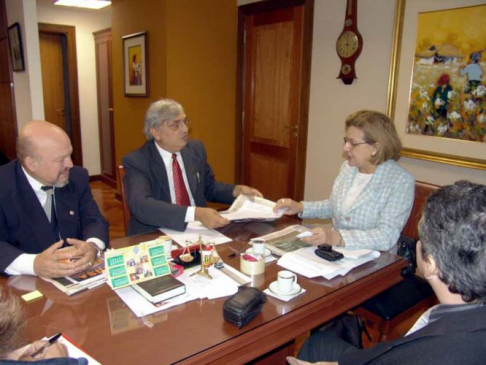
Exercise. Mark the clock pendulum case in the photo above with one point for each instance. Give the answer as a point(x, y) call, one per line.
point(349, 43)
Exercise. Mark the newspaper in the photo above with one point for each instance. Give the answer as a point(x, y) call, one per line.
point(246, 209)
point(284, 241)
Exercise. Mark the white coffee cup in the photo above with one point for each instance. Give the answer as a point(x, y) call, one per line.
point(258, 247)
point(167, 242)
point(286, 280)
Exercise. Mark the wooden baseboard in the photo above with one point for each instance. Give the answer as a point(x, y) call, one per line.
point(93, 178)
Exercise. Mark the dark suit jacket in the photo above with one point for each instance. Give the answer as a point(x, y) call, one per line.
point(147, 187)
point(455, 338)
point(24, 227)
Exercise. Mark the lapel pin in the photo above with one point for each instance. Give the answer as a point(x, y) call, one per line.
point(71, 212)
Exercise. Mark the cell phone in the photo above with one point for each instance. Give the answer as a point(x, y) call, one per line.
point(328, 254)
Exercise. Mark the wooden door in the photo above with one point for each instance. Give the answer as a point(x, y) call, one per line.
point(105, 105)
point(53, 85)
point(8, 122)
point(60, 81)
point(274, 64)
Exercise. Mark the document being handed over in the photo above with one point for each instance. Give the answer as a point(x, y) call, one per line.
point(245, 209)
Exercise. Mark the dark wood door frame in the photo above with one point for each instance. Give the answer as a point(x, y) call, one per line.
point(243, 12)
point(70, 33)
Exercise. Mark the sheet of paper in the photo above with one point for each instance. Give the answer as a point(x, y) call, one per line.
point(74, 351)
point(192, 233)
point(353, 254)
point(246, 209)
point(305, 262)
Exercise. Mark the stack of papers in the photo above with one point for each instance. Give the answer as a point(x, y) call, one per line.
point(245, 209)
point(191, 235)
point(305, 262)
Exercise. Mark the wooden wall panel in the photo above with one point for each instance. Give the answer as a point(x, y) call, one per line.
point(8, 124)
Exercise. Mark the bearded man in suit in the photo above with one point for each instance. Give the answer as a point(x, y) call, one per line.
point(50, 225)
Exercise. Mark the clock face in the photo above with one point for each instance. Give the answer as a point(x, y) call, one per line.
point(347, 44)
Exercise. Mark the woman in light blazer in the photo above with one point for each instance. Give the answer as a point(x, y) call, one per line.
point(372, 196)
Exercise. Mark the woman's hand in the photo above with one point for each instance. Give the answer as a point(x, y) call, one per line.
point(288, 206)
point(321, 236)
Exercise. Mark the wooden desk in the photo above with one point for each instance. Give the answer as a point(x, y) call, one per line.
point(99, 322)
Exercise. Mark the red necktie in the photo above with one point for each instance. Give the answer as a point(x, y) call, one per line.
point(182, 198)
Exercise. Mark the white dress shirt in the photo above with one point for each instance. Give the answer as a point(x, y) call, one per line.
point(24, 263)
point(167, 158)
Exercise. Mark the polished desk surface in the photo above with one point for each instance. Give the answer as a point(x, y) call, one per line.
point(195, 332)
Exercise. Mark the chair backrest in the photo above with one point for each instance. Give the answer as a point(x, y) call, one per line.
point(422, 192)
point(126, 212)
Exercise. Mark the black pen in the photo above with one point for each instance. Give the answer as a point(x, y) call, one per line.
point(49, 342)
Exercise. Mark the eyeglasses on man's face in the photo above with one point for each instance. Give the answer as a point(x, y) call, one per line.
point(353, 144)
point(177, 124)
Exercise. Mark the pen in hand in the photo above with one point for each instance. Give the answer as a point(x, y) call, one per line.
point(49, 342)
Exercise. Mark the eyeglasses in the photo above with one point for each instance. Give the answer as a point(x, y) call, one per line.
point(176, 125)
point(353, 144)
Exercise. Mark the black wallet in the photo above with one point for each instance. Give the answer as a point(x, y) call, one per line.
point(327, 253)
point(242, 307)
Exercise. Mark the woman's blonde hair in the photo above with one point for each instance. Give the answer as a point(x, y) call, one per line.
point(377, 128)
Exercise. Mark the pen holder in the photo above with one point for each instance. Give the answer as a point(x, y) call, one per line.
point(252, 264)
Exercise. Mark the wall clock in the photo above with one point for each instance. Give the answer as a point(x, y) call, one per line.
point(349, 43)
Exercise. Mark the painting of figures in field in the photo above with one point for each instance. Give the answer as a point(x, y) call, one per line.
point(448, 90)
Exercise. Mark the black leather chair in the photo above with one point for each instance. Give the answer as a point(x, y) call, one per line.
point(3, 159)
point(409, 297)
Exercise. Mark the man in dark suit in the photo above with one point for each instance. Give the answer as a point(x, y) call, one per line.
point(168, 180)
point(45, 204)
point(451, 254)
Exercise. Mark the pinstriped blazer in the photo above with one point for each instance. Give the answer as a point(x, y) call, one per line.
point(378, 214)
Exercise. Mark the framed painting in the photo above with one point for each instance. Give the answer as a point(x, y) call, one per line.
point(437, 86)
point(16, 49)
point(135, 64)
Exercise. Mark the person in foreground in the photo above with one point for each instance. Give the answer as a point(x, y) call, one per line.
point(168, 180)
point(371, 198)
point(50, 225)
point(451, 254)
point(11, 325)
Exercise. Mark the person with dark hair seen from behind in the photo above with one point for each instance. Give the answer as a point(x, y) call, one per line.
point(47, 213)
point(12, 323)
point(371, 198)
point(168, 180)
point(451, 255)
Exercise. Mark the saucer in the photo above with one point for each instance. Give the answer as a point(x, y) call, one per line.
point(267, 251)
point(273, 287)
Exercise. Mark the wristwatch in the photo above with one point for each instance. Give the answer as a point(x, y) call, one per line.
point(99, 250)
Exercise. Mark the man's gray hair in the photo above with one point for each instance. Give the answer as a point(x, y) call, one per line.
point(160, 111)
point(453, 232)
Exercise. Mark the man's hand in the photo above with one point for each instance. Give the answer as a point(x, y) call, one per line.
point(246, 190)
point(56, 262)
point(86, 252)
point(25, 354)
point(288, 206)
point(210, 218)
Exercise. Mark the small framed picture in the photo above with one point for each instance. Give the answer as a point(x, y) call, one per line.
point(16, 49)
point(135, 64)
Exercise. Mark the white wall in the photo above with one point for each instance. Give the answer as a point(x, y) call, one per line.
point(86, 22)
point(29, 103)
point(331, 101)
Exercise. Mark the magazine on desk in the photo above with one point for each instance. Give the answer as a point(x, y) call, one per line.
point(86, 279)
point(285, 240)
